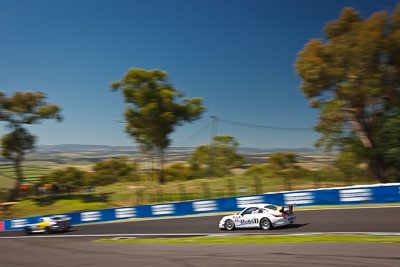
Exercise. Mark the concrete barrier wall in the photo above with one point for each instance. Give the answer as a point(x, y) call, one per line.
point(368, 194)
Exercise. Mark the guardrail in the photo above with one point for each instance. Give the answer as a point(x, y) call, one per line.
point(368, 194)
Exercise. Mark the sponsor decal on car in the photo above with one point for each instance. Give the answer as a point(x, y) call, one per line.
point(163, 209)
point(18, 223)
point(125, 213)
point(363, 194)
point(207, 205)
point(249, 221)
point(299, 198)
point(90, 216)
point(245, 201)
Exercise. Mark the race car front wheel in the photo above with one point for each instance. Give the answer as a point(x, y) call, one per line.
point(265, 224)
point(27, 230)
point(229, 225)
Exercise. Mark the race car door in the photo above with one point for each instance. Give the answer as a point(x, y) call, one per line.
point(248, 218)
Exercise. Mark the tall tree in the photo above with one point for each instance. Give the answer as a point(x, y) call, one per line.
point(18, 110)
point(154, 108)
point(353, 76)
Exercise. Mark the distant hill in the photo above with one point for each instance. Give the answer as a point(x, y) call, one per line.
point(82, 148)
point(103, 148)
point(275, 150)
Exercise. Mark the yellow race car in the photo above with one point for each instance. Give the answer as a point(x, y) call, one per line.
point(48, 225)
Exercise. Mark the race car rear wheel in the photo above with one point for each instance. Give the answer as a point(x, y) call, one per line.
point(229, 225)
point(47, 230)
point(265, 224)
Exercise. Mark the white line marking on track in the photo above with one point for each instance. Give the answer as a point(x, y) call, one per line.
point(208, 234)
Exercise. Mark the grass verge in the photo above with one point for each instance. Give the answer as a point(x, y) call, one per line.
point(262, 239)
point(28, 208)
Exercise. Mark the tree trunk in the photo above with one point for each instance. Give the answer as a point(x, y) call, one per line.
point(375, 161)
point(14, 194)
point(377, 167)
point(161, 178)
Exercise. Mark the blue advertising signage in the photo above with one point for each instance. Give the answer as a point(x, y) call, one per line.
point(381, 193)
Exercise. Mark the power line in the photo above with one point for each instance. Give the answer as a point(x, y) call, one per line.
point(195, 134)
point(265, 127)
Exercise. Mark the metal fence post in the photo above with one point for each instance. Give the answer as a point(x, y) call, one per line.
point(206, 190)
point(257, 185)
point(232, 187)
point(317, 179)
point(139, 197)
point(160, 195)
point(182, 192)
point(288, 183)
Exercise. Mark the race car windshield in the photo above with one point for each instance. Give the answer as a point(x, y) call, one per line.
point(250, 211)
point(272, 207)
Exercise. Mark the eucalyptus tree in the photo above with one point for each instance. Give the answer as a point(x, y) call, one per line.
point(154, 107)
point(18, 111)
point(353, 76)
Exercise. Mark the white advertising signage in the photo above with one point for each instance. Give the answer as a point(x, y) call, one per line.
point(363, 194)
point(163, 209)
point(206, 205)
point(18, 223)
point(125, 213)
point(90, 216)
point(299, 198)
point(242, 202)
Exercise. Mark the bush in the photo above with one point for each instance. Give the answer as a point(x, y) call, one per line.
point(178, 172)
point(259, 170)
point(68, 179)
point(111, 171)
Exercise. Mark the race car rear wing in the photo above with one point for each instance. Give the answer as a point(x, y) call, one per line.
point(287, 209)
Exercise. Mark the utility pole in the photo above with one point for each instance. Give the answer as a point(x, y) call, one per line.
point(214, 130)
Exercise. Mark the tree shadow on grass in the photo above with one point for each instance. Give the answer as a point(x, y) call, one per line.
point(85, 198)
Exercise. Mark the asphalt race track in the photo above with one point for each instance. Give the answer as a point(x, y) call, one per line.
point(75, 248)
point(385, 219)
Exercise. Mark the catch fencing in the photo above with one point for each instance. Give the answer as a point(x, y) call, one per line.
point(368, 194)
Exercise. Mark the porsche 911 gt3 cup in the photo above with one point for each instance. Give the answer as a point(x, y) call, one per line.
point(49, 225)
point(264, 216)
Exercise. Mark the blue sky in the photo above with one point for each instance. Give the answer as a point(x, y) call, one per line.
point(237, 55)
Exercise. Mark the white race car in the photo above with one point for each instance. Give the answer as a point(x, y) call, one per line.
point(264, 216)
point(48, 225)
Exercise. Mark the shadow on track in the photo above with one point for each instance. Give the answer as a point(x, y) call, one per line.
point(291, 226)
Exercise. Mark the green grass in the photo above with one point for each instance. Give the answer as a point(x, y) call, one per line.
point(128, 193)
point(32, 174)
point(262, 239)
point(28, 208)
point(123, 193)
